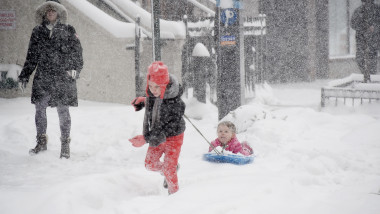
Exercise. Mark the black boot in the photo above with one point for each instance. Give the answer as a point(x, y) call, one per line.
point(65, 147)
point(41, 144)
point(165, 183)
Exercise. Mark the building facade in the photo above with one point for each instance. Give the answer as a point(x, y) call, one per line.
point(306, 39)
point(109, 66)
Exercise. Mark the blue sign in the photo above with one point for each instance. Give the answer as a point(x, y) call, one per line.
point(228, 16)
point(227, 40)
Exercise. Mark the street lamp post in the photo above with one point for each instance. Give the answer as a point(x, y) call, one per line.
point(156, 44)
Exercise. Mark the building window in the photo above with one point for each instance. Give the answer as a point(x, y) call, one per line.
point(341, 35)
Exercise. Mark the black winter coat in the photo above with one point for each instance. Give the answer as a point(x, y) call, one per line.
point(171, 122)
point(53, 56)
point(361, 20)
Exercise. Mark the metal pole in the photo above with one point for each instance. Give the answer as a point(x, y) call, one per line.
point(241, 54)
point(229, 88)
point(137, 56)
point(152, 27)
point(187, 44)
point(156, 44)
point(186, 56)
point(263, 78)
point(348, 25)
point(323, 97)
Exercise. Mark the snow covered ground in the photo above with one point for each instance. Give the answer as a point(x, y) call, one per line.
point(308, 159)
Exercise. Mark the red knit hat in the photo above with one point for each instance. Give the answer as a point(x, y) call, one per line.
point(158, 73)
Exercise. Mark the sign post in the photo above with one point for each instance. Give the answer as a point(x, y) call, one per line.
point(156, 11)
point(229, 39)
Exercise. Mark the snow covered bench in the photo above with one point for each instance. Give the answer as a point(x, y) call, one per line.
point(352, 87)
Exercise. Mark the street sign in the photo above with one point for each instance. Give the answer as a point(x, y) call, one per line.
point(228, 35)
point(227, 40)
point(228, 16)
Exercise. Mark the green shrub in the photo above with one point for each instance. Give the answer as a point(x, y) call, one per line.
point(8, 83)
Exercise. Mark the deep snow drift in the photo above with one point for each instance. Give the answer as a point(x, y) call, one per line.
point(308, 160)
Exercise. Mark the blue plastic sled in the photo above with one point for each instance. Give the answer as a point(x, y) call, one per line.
point(228, 158)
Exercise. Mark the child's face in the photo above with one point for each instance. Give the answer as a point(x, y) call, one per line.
point(154, 88)
point(224, 134)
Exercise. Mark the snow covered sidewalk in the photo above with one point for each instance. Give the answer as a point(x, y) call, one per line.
point(308, 160)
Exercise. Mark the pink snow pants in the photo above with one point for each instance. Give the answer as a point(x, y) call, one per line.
point(171, 148)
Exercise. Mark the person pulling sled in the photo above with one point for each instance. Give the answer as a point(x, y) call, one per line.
point(164, 125)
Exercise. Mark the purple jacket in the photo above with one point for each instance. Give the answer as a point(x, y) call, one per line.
point(233, 145)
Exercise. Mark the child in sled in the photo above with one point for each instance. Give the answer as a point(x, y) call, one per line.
point(227, 140)
point(163, 126)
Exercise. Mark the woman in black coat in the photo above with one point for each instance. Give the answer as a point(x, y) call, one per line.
point(366, 22)
point(56, 52)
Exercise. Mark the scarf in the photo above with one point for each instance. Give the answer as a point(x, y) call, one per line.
point(171, 91)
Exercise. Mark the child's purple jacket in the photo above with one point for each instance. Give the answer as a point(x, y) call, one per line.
point(233, 145)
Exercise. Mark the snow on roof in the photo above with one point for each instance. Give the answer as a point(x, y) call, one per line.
point(202, 7)
point(169, 29)
point(212, 1)
point(117, 28)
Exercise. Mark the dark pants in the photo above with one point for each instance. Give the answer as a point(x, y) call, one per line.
point(367, 61)
point(41, 118)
